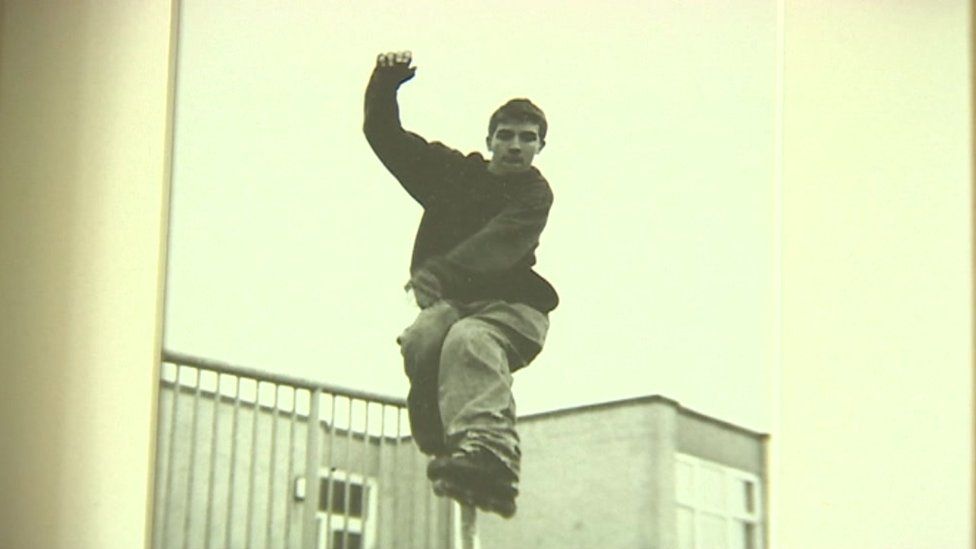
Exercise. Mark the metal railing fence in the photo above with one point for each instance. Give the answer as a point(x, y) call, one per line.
point(253, 460)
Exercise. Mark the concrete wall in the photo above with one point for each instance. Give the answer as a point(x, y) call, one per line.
point(604, 476)
point(586, 481)
point(713, 441)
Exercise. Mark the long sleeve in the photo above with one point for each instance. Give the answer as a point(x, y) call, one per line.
point(418, 165)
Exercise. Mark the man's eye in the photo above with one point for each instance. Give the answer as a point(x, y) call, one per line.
point(529, 136)
point(505, 135)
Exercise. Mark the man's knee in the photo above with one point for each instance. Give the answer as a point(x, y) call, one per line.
point(473, 338)
point(420, 344)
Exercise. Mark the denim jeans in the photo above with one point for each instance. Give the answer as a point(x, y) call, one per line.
point(460, 358)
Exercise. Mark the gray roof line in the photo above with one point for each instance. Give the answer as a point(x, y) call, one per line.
point(647, 399)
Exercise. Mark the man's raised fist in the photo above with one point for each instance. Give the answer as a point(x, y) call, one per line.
point(396, 63)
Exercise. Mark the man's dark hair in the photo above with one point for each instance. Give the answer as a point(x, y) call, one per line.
point(519, 110)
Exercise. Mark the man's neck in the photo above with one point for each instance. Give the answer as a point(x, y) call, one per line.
point(501, 172)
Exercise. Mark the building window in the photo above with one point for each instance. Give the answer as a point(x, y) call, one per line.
point(347, 511)
point(718, 507)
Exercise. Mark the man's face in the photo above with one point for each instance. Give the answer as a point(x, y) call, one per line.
point(513, 145)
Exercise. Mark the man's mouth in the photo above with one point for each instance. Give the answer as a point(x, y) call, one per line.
point(513, 160)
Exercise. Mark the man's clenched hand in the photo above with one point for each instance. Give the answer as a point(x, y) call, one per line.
point(426, 288)
point(396, 63)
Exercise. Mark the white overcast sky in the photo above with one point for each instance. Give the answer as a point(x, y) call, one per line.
point(290, 242)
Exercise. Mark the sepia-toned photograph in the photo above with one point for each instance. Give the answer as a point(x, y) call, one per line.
point(443, 275)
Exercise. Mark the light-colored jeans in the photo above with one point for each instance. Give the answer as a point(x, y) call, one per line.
point(460, 358)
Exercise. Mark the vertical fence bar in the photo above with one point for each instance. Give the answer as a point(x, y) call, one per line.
point(444, 510)
point(413, 483)
point(232, 474)
point(312, 461)
point(397, 445)
point(455, 520)
point(380, 470)
point(366, 492)
point(469, 528)
point(347, 488)
point(208, 522)
point(170, 472)
point(191, 466)
point(291, 458)
point(329, 487)
point(272, 469)
point(251, 481)
point(428, 506)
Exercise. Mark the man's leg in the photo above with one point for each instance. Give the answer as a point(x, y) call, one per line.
point(420, 345)
point(478, 357)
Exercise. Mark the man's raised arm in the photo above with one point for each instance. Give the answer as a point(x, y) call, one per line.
point(382, 118)
point(416, 163)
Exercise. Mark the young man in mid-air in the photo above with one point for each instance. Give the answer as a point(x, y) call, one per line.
point(484, 310)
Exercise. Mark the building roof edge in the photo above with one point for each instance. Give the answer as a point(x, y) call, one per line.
point(647, 399)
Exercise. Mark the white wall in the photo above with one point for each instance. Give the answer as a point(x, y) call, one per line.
point(83, 149)
point(874, 427)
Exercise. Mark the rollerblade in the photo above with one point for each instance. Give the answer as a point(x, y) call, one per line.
point(477, 479)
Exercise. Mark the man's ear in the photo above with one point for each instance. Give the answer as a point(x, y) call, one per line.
point(488, 142)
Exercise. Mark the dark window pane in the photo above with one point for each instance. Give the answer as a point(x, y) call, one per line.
point(749, 490)
point(327, 486)
point(356, 501)
point(748, 535)
point(337, 502)
point(355, 541)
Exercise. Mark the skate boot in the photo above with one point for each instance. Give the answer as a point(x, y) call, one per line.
point(476, 479)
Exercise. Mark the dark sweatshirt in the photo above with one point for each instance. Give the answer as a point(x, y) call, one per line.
point(479, 230)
